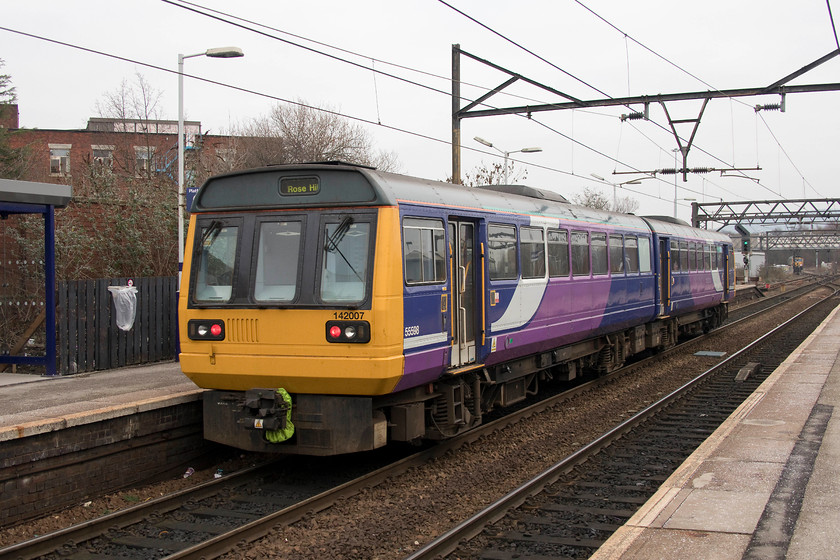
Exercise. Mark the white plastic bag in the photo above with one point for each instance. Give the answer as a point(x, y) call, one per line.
point(125, 302)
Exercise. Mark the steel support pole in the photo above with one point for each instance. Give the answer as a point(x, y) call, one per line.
point(456, 116)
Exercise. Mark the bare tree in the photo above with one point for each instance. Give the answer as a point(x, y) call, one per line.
point(493, 174)
point(132, 101)
point(301, 133)
point(594, 198)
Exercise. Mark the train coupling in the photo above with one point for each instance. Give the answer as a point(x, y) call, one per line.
point(266, 410)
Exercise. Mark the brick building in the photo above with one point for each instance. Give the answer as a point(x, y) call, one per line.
point(126, 148)
point(124, 176)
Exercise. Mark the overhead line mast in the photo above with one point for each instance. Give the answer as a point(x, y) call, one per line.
point(569, 102)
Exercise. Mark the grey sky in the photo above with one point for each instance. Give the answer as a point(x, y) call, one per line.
point(725, 44)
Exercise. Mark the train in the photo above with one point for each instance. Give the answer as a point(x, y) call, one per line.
point(333, 308)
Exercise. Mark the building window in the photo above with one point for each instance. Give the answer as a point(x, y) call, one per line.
point(144, 160)
point(103, 157)
point(60, 159)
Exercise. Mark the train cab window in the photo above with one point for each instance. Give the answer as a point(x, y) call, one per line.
point(684, 256)
point(631, 252)
point(558, 253)
point(616, 255)
point(531, 252)
point(424, 251)
point(580, 253)
point(278, 255)
point(501, 251)
point(675, 256)
point(346, 255)
point(644, 255)
point(216, 261)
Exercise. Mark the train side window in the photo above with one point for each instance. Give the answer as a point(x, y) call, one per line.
point(616, 255)
point(719, 257)
point(644, 255)
point(580, 253)
point(344, 268)
point(501, 251)
point(531, 252)
point(684, 256)
point(216, 262)
point(631, 251)
point(692, 256)
point(278, 255)
point(599, 254)
point(424, 251)
point(709, 260)
point(558, 253)
point(675, 256)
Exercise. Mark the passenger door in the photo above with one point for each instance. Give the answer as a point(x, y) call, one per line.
point(463, 265)
point(664, 276)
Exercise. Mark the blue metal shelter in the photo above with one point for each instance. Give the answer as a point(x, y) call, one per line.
point(25, 197)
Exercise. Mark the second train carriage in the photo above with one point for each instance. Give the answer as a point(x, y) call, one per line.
point(332, 308)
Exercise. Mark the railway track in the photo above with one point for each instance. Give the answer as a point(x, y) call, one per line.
point(568, 511)
point(217, 517)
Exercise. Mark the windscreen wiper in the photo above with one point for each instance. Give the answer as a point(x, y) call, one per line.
point(338, 234)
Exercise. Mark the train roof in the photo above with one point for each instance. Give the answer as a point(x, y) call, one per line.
point(669, 227)
point(326, 185)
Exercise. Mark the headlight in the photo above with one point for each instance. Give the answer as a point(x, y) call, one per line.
point(348, 331)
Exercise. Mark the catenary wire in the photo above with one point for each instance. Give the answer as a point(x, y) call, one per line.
point(195, 9)
point(677, 66)
point(190, 6)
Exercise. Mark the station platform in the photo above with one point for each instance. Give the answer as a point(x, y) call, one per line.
point(35, 404)
point(766, 484)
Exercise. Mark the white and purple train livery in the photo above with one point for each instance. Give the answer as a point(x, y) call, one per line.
point(395, 308)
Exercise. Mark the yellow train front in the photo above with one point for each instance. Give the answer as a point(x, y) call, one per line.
point(290, 309)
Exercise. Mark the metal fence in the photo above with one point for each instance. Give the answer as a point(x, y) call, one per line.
point(88, 336)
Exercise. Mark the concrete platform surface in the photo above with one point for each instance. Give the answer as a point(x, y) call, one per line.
point(766, 484)
point(33, 404)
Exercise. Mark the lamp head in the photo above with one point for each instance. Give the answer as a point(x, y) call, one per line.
point(224, 52)
point(481, 140)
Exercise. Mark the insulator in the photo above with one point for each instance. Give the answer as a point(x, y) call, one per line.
point(669, 171)
point(768, 107)
point(632, 116)
point(701, 170)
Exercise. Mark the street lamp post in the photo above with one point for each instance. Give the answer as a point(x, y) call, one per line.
point(221, 52)
point(506, 154)
point(615, 186)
